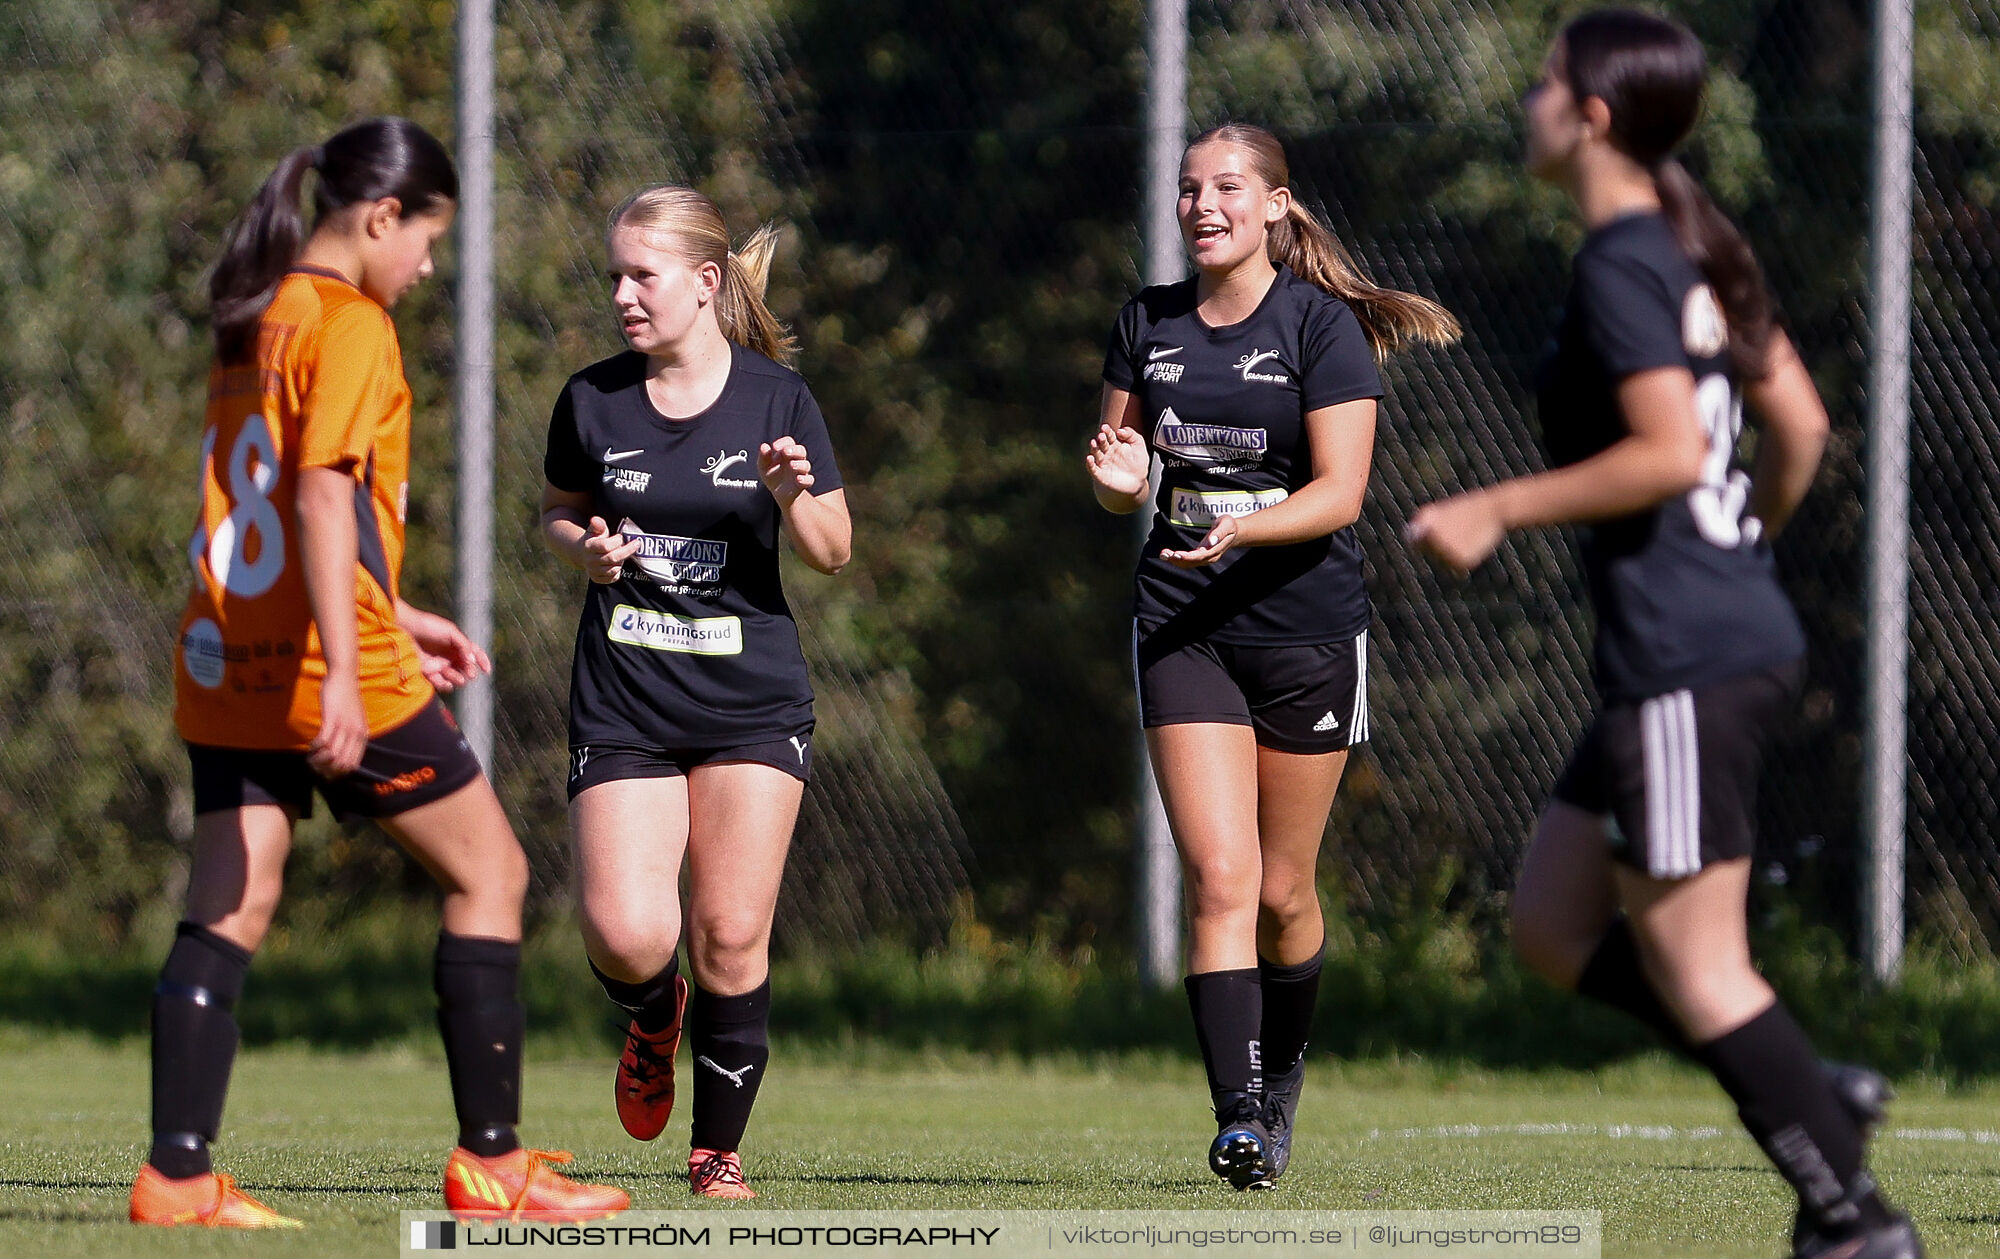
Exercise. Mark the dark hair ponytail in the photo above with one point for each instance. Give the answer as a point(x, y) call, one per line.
point(1650, 72)
point(382, 157)
point(1391, 319)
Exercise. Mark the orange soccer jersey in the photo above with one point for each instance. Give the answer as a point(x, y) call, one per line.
point(324, 390)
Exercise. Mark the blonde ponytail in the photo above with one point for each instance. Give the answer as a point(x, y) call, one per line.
point(692, 226)
point(740, 307)
point(1392, 319)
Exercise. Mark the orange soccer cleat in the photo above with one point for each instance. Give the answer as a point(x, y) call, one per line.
point(522, 1186)
point(210, 1201)
point(717, 1174)
point(645, 1083)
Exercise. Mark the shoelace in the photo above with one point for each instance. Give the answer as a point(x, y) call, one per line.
point(723, 1169)
point(648, 1064)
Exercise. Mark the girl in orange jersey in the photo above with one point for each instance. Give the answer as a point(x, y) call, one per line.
point(300, 669)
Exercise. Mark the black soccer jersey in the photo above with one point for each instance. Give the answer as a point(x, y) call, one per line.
point(1685, 592)
point(1225, 408)
point(695, 647)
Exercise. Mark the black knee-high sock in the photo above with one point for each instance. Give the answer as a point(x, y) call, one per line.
point(1228, 1006)
point(194, 1044)
point(1615, 976)
point(730, 1042)
point(1769, 1069)
point(1290, 993)
point(650, 1002)
point(479, 1011)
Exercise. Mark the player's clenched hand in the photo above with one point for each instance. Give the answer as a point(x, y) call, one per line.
point(605, 552)
point(1460, 532)
point(786, 470)
point(343, 729)
point(448, 657)
point(1212, 547)
point(1118, 460)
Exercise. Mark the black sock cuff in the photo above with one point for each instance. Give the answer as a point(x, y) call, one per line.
point(711, 1011)
point(202, 966)
point(645, 992)
point(474, 971)
point(477, 951)
point(1273, 972)
point(1249, 975)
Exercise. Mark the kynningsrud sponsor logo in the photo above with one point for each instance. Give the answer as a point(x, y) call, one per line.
point(1248, 366)
point(663, 631)
point(1201, 509)
point(673, 561)
point(629, 479)
point(722, 463)
point(1209, 444)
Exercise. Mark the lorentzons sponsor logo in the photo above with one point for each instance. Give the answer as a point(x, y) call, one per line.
point(1200, 510)
point(675, 561)
point(1209, 444)
point(663, 631)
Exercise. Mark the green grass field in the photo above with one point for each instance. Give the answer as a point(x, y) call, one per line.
point(348, 1140)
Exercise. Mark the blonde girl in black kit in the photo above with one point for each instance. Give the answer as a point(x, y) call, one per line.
point(1256, 384)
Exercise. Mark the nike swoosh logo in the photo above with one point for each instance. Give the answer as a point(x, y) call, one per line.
point(1163, 352)
point(611, 456)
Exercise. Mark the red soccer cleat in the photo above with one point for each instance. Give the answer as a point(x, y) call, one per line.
point(717, 1174)
point(210, 1201)
point(522, 1186)
point(645, 1083)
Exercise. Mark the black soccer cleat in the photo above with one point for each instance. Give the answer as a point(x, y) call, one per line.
point(1895, 1239)
point(1281, 1103)
point(1864, 1094)
point(1240, 1153)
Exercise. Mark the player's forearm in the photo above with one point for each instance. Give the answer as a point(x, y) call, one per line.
point(1119, 503)
point(1633, 475)
point(563, 532)
point(1319, 508)
point(1793, 439)
point(329, 548)
point(820, 531)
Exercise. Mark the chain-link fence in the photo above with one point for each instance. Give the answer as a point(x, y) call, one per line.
point(960, 183)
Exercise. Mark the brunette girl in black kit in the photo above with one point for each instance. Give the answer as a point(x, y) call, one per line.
point(673, 470)
point(1255, 383)
point(1634, 889)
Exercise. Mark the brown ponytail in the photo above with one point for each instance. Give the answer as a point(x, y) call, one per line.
point(1649, 73)
point(1393, 320)
point(1724, 258)
point(261, 246)
point(382, 157)
point(691, 225)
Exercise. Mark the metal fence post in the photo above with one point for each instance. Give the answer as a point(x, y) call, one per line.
point(1166, 130)
point(475, 360)
point(1889, 488)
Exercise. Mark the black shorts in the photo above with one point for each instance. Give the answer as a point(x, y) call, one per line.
point(1307, 700)
point(589, 766)
point(424, 759)
point(1675, 776)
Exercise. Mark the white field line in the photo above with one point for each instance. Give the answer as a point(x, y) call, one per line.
point(1648, 1132)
